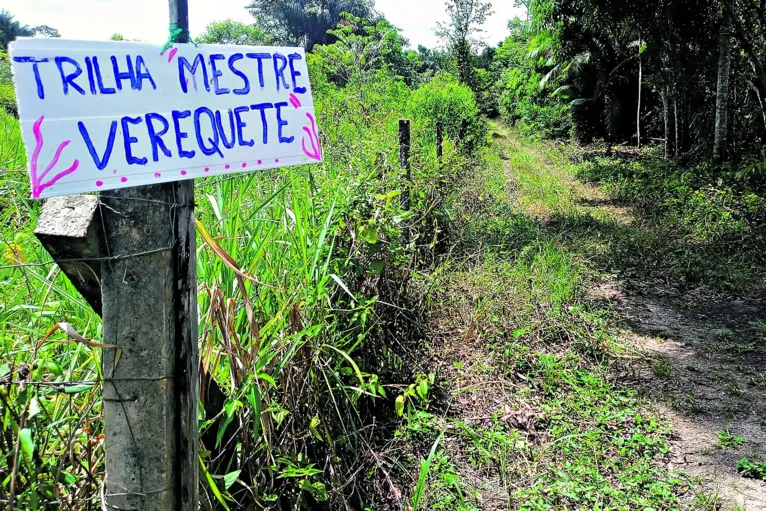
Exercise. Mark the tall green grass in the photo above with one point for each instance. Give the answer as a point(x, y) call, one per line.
point(294, 336)
point(51, 435)
point(298, 272)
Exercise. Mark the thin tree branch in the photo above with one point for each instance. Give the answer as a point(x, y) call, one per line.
point(741, 35)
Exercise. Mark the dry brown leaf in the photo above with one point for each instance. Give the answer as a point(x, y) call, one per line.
point(74, 336)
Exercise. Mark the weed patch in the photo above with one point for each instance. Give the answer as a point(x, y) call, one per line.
point(508, 313)
point(704, 226)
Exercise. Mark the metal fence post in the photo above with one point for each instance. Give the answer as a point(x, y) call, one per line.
point(439, 141)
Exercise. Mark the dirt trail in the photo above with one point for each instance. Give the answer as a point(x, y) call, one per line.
point(701, 359)
point(705, 368)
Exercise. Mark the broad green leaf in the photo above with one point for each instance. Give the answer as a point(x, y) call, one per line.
point(27, 443)
point(376, 268)
point(317, 489)
point(216, 209)
point(254, 398)
point(230, 478)
point(265, 377)
point(342, 285)
point(68, 478)
point(213, 486)
point(76, 389)
point(34, 408)
point(350, 361)
point(229, 408)
point(423, 389)
point(369, 233)
point(399, 405)
point(313, 428)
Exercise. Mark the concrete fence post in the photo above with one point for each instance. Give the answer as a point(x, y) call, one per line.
point(404, 159)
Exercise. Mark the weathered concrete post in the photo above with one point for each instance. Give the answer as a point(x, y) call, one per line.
point(69, 228)
point(439, 141)
point(404, 158)
point(149, 290)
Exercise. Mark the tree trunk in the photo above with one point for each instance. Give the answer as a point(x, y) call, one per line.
point(666, 105)
point(638, 111)
point(731, 135)
point(679, 118)
point(722, 92)
point(676, 125)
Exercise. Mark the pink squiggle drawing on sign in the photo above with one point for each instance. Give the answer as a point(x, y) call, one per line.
point(316, 148)
point(37, 181)
point(172, 54)
point(295, 101)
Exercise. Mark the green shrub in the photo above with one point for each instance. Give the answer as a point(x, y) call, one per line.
point(444, 99)
point(5, 68)
point(713, 229)
point(325, 245)
point(7, 93)
point(8, 98)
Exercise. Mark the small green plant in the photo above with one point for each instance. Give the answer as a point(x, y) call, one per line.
point(8, 98)
point(707, 502)
point(759, 379)
point(661, 368)
point(425, 470)
point(694, 406)
point(416, 395)
point(726, 440)
point(751, 470)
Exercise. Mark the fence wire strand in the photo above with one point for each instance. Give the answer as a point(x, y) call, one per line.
point(98, 384)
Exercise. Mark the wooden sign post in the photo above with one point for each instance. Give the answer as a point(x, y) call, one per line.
point(139, 125)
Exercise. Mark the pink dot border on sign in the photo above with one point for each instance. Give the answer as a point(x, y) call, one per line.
point(184, 172)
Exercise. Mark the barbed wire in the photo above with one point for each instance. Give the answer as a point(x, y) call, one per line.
point(12, 253)
point(74, 383)
point(89, 259)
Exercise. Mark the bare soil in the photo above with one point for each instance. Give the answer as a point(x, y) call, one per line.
point(702, 359)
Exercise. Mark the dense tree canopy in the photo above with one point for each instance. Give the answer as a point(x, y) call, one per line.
point(465, 20)
point(688, 73)
point(10, 29)
point(234, 32)
point(306, 22)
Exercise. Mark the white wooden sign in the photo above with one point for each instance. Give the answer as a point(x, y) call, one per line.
point(106, 115)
